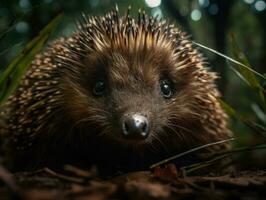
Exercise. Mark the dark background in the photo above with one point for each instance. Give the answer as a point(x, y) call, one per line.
point(209, 22)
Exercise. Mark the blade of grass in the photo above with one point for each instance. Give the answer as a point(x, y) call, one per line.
point(257, 128)
point(21, 67)
point(43, 33)
point(18, 66)
point(201, 165)
point(230, 59)
point(219, 156)
point(259, 113)
point(189, 151)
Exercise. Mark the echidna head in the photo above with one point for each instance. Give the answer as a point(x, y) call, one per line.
point(134, 82)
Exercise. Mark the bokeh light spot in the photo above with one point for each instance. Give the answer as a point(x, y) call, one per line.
point(24, 3)
point(204, 3)
point(260, 6)
point(195, 15)
point(22, 27)
point(249, 1)
point(94, 3)
point(153, 3)
point(213, 9)
point(157, 12)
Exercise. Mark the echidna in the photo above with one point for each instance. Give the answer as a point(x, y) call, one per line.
point(119, 93)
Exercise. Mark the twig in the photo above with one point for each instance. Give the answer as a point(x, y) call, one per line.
point(80, 172)
point(63, 177)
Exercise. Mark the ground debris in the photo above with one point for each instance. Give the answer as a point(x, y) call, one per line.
point(162, 183)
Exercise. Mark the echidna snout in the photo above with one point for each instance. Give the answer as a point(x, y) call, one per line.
point(135, 126)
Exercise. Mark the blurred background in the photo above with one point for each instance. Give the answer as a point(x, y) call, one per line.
point(209, 22)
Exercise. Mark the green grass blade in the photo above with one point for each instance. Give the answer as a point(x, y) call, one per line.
point(247, 74)
point(261, 115)
point(21, 67)
point(18, 66)
point(189, 152)
point(220, 156)
point(231, 60)
point(258, 128)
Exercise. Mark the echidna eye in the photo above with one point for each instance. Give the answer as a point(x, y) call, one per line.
point(99, 88)
point(167, 89)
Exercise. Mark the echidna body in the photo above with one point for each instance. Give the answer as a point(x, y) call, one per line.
point(119, 93)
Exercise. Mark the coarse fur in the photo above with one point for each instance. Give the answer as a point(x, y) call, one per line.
point(54, 119)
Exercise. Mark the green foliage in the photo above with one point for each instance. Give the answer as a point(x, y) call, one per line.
point(258, 128)
point(247, 74)
point(241, 66)
point(16, 69)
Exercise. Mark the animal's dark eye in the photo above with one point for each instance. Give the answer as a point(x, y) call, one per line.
point(167, 89)
point(99, 88)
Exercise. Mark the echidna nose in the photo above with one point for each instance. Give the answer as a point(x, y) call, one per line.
point(135, 126)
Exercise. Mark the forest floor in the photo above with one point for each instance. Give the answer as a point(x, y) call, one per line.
point(161, 183)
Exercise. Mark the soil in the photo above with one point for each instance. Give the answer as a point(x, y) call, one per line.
point(161, 183)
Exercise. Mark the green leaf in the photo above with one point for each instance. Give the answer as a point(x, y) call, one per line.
point(246, 74)
point(16, 69)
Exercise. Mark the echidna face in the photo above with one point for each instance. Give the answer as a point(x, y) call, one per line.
point(131, 91)
point(133, 98)
point(135, 82)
